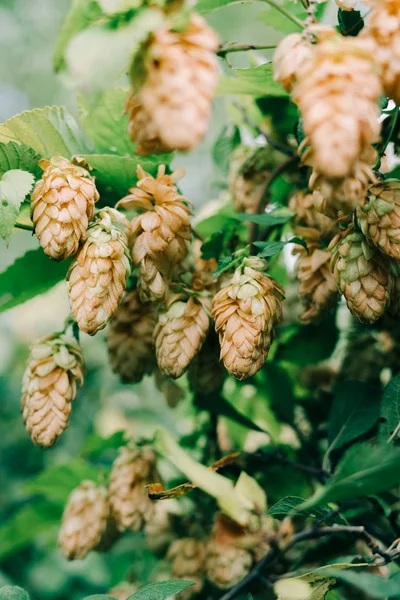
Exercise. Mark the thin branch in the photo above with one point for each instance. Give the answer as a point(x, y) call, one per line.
point(228, 48)
point(24, 227)
point(285, 12)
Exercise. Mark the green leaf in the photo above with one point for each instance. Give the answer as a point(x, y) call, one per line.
point(223, 147)
point(161, 590)
point(48, 131)
point(18, 156)
point(225, 263)
point(95, 445)
point(310, 345)
point(105, 122)
point(100, 597)
point(207, 6)
point(288, 505)
point(372, 585)
point(113, 7)
point(350, 22)
point(12, 592)
point(218, 405)
point(271, 248)
point(364, 469)
point(15, 185)
point(275, 19)
point(30, 275)
point(270, 219)
point(213, 247)
point(257, 81)
point(99, 55)
point(81, 14)
point(390, 409)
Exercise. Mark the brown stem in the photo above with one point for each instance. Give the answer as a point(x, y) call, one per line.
point(223, 50)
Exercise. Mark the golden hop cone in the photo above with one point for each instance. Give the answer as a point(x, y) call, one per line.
point(379, 216)
point(123, 590)
point(98, 275)
point(245, 312)
point(186, 557)
point(307, 215)
point(160, 233)
point(158, 531)
point(206, 373)
point(181, 75)
point(84, 521)
point(142, 129)
point(49, 386)
point(130, 339)
point(362, 275)
point(180, 333)
point(132, 470)
point(383, 26)
point(337, 94)
point(288, 58)
point(62, 204)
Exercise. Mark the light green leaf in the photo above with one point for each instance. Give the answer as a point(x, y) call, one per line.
point(11, 592)
point(105, 122)
point(48, 131)
point(161, 590)
point(15, 185)
point(207, 6)
point(372, 585)
point(30, 275)
point(287, 506)
point(18, 156)
point(275, 19)
point(248, 487)
point(271, 248)
point(100, 55)
point(269, 219)
point(257, 81)
point(390, 409)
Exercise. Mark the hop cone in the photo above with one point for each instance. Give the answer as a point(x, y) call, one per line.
point(186, 556)
point(158, 531)
point(288, 58)
point(55, 367)
point(181, 74)
point(308, 217)
point(361, 274)
point(337, 94)
point(379, 216)
point(84, 521)
point(142, 129)
point(130, 339)
point(62, 204)
point(160, 233)
point(383, 26)
point(97, 277)
point(245, 312)
point(180, 333)
point(130, 505)
point(206, 373)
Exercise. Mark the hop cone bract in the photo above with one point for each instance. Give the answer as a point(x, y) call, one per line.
point(186, 556)
point(288, 58)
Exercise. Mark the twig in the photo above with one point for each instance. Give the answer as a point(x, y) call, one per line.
point(223, 50)
point(24, 227)
point(285, 12)
point(263, 455)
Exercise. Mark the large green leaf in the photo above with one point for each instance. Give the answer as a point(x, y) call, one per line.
point(288, 505)
point(48, 131)
point(161, 590)
point(105, 122)
point(371, 585)
point(216, 404)
point(390, 409)
point(275, 19)
point(12, 592)
point(18, 156)
point(30, 275)
point(257, 81)
point(15, 185)
point(100, 597)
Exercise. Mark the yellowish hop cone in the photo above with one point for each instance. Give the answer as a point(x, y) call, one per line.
point(291, 53)
point(98, 275)
point(187, 556)
point(142, 129)
point(180, 333)
point(62, 204)
point(55, 367)
point(132, 470)
point(84, 521)
point(245, 312)
point(130, 339)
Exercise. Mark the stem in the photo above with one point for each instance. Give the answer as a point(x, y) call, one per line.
point(24, 227)
point(285, 12)
point(227, 49)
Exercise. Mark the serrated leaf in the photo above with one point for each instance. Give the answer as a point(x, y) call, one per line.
point(161, 590)
point(12, 592)
point(105, 122)
point(218, 405)
point(372, 585)
point(390, 409)
point(278, 21)
point(270, 219)
point(30, 275)
point(287, 506)
point(15, 185)
point(269, 248)
point(257, 81)
point(48, 131)
point(99, 55)
point(207, 6)
point(225, 263)
point(18, 156)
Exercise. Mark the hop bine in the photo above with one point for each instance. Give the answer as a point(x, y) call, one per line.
point(98, 275)
point(130, 339)
point(84, 521)
point(245, 312)
point(49, 386)
point(186, 556)
point(170, 108)
point(160, 233)
point(62, 204)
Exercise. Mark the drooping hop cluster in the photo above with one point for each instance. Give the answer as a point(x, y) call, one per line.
point(98, 275)
point(62, 204)
point(379, 216)
point(206, 373)
point(54, 369)
point(289, 56)
point(170, 109)
point(160, 233)
point(180, 333)
point(84, 521)
point(130, 339)
point(130, 505)
point(362, 275)
point(186, 556)
point(245, 312)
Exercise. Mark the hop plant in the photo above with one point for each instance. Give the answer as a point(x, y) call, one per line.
point(290, 54)
point(160, 233)
point(54, 368)
point(187, 556)
point(337, 94)
point(206, 373)
point(245, 312)
point(98, 275)
point(130, 339)
point(362, 275)
point(84, 521)
point(180, 333)
point(62, 204)
point(130, 505)
point(379, 216)
point(172, 105)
